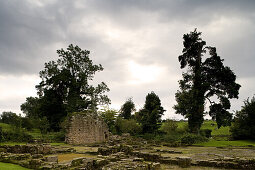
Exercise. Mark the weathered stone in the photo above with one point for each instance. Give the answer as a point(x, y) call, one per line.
point(37, 156)
point(86, 128)
point(3, 150)
point(77, 161)
point(88, 164)
point(155, 166)
point(184, 162)
point(138, 159)
point(53, 158)
point(101, 162)
point(35, 163)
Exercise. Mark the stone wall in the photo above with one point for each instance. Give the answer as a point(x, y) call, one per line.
point(85, 128)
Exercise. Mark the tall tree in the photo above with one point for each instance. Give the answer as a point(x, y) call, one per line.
point(65, 85)
point(127, 108)
point(203, 80)
point(151, 113)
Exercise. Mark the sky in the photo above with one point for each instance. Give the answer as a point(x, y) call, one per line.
point(137, 42)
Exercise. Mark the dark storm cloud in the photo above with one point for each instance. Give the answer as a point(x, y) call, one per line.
point(198, 11)
point(147, 32)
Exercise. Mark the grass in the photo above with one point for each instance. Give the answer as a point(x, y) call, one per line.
point(6, 127)
point(70, 156)
point(215, 143)
point(35, 133)
point(8, 166)
point(12, 143)
point(220, 137)
point(208, 124)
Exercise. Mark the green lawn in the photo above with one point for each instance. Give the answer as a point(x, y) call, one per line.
point(208, 124)
point(214, 143)
point(8, 166)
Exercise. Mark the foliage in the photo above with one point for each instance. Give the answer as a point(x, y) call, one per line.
point(127, 108)
point(109, 116)
point(150, 115)
point(65, 88)
point(203, 80)
point(27, 123)
point(206, 132)
point(31, 108)
point(44, 125)
point(16, 136)
point(244, 123)
point(127, 126)
point(169, 126)
point(11, 118)
point(189, 139)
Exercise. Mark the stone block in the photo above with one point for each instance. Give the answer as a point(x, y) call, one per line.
point(53, 158)
point(184, 162)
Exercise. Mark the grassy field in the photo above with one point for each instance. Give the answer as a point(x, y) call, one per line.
point(8, 166)
point(220, 137)
point(215, 143)
point(208, 124)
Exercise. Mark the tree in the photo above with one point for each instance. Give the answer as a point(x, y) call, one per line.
point(169, 126)
point(109, 116)
point(127, 108)
point(31, 108)
point(203, 80)
point(243, 126)
point(65, 85)
point(150, 115)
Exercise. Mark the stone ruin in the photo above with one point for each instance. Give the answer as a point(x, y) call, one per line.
point(85, 128)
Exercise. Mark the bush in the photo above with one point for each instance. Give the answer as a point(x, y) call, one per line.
point(243, 126)
point(127, 126)
point(206, 133)
point(109, 116)
point(189, 139)
point(169, 126)
point(16, 136)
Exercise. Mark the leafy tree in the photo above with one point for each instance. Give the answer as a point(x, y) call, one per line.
point(31, 108)
point(203, 80)
point(127, 108)
point(150, 115)
point(169, 126)
point(127, 126)
point(9, 118)
point(109, 116)
point(244, 123)
point(65, 85)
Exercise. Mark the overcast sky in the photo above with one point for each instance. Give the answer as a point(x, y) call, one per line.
point(137, 42)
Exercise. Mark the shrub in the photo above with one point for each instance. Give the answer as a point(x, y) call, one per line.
point(189, 139)
point(127, 126)
point(16, 136)
point(169, 126)
point(243, 126)
point(109, 116)
point(206, 133)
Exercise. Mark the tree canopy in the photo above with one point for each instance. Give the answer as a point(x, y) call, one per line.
point(65, 86)
point(244, 123)
point(150, 115)
point(204, 78)
point(127, 108)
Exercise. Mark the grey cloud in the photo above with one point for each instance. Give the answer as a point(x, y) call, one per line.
point(30, 36)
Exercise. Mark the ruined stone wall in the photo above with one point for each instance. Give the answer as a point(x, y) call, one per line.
point(86, 128)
